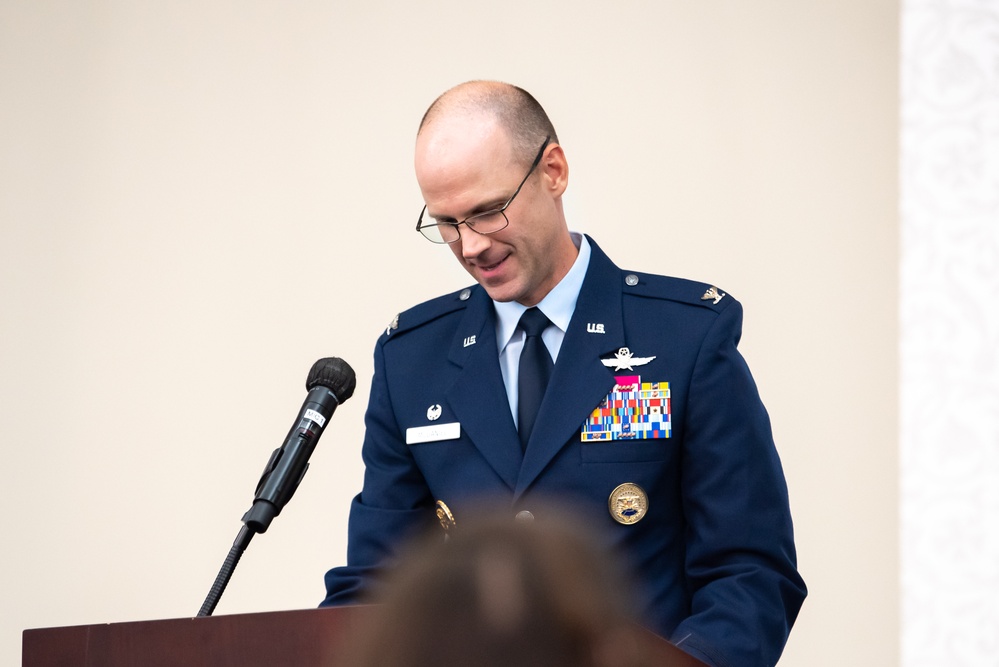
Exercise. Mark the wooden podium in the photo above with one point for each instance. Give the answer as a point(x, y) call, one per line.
point(287, 638)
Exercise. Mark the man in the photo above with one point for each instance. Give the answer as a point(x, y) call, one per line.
point(625, 397)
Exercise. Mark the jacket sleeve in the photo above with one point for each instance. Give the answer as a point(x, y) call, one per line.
point(740, 557)
point(394, 501)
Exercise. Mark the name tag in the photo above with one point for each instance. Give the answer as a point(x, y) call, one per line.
point(435, 433)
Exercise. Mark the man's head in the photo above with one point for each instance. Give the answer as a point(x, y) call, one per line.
point(502, 592)
point(474, 146)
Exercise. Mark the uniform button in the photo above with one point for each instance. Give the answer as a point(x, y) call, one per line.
point(465, 293)
point(524, 515)
point(631, 279)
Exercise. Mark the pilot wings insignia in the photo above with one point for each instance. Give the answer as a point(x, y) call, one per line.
point(625, 360)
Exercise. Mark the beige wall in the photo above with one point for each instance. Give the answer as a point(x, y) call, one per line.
point(197, 200)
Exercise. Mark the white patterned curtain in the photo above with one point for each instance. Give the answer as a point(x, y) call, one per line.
point(950, 333)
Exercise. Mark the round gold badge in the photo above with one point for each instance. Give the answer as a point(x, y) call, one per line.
point(628, 503)
point(445, 517)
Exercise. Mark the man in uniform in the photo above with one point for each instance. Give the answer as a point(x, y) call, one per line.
point(559, 377)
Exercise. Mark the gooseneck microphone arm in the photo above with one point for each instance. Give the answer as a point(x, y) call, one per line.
point(225, 573)
point(331, 382)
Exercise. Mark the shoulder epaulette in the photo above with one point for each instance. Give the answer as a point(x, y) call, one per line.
point(428, 311)
point(675, 289)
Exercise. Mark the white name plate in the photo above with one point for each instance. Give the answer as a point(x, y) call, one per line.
point(435, 433)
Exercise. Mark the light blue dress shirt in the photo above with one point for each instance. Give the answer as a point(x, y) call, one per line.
point(558, 306)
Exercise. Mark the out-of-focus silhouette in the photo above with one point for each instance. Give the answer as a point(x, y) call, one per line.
point(500, 592)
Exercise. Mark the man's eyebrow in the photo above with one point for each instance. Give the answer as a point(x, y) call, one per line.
point(487, 207)
point(441, 218)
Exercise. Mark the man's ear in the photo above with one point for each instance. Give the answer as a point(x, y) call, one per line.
point(554, 170)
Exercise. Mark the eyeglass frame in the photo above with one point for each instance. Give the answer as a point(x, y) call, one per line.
point(501, 210)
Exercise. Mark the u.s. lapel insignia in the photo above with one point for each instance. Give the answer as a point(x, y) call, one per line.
point(394, 324)
point(434, 412)
point(445, 517)
point(624, 359)
point(713, 294)
point(628, 503)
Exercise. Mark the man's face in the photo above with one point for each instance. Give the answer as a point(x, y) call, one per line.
point(465, 168)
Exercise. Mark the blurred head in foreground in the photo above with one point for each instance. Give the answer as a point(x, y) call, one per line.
point(503, 592)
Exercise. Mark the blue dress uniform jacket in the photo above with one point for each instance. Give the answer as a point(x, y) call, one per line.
point(713, 555)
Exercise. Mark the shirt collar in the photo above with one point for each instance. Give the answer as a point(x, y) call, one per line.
point(558, 305)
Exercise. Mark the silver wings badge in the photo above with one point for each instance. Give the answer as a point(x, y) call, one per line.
point(625, 360)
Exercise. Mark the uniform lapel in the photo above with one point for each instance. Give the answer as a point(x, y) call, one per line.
point(478, 396)
point(580, 381)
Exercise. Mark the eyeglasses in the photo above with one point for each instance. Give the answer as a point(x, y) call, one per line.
point(488, 222)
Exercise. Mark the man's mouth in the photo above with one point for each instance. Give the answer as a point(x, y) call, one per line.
point(489, 268)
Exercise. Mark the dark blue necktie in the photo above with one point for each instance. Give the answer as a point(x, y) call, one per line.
point(535, 371)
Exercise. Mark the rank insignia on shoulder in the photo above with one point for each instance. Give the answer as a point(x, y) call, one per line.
point(712, 294)
point(394, 324)
point(624, 359)
point(628, 503)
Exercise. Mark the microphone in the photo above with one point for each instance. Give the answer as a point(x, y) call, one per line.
point(331, 382)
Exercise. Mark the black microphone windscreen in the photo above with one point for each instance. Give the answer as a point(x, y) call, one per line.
point(335, 374)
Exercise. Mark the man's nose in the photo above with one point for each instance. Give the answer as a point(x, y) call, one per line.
point(473, 244)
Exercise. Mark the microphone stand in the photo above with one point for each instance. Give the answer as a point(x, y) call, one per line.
point(225, 573)
point(280, 480)
point(288, 463)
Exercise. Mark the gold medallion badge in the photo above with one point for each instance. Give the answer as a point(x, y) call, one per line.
point(628, 503)
point(445, 517)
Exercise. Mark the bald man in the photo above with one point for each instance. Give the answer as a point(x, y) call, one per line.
point(559, 378)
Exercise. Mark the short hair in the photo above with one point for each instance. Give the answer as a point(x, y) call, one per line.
point(517, 111)
point(501, 592)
